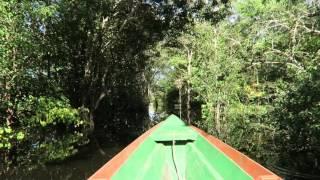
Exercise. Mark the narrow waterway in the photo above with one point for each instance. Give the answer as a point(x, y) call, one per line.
point(79, 167)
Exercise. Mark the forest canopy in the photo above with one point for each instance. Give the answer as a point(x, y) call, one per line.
point(76, 72)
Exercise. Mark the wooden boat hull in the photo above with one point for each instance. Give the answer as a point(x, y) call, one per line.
point(173, 150)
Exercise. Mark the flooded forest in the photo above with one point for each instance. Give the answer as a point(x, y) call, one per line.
point(81, 79)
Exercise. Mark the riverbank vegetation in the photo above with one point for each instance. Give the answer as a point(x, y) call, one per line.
point(251, 79)
point(75, 72)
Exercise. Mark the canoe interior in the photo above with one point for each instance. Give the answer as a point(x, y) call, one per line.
point(175, 151)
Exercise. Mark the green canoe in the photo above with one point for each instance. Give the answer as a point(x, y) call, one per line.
point(173, 150)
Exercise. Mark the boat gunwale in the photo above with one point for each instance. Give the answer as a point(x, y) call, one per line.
point(251, 167)
point(113, 165)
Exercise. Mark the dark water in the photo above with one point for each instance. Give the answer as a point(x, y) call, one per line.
point(86, 163)
point(79, 167)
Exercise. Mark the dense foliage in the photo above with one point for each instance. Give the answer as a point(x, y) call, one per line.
point(71, 68)
point(255, 75)
point(246, 71)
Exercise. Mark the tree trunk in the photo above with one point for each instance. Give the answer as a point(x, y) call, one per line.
point(180, 103)
point(217, 118)
point(189, 88)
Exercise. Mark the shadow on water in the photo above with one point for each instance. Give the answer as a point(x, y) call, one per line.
point(83, 165)
point(79, 167)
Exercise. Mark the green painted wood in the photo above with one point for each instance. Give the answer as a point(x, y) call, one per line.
point(173, 129)
point(175, 151)
point(141, 163)
point(215, 163)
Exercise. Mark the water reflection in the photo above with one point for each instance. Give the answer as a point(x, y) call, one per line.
point(77, 168)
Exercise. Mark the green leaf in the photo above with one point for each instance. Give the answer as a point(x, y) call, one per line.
point(8, 145)
point(8, 130)
point(43, 123)
point(20, 136)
